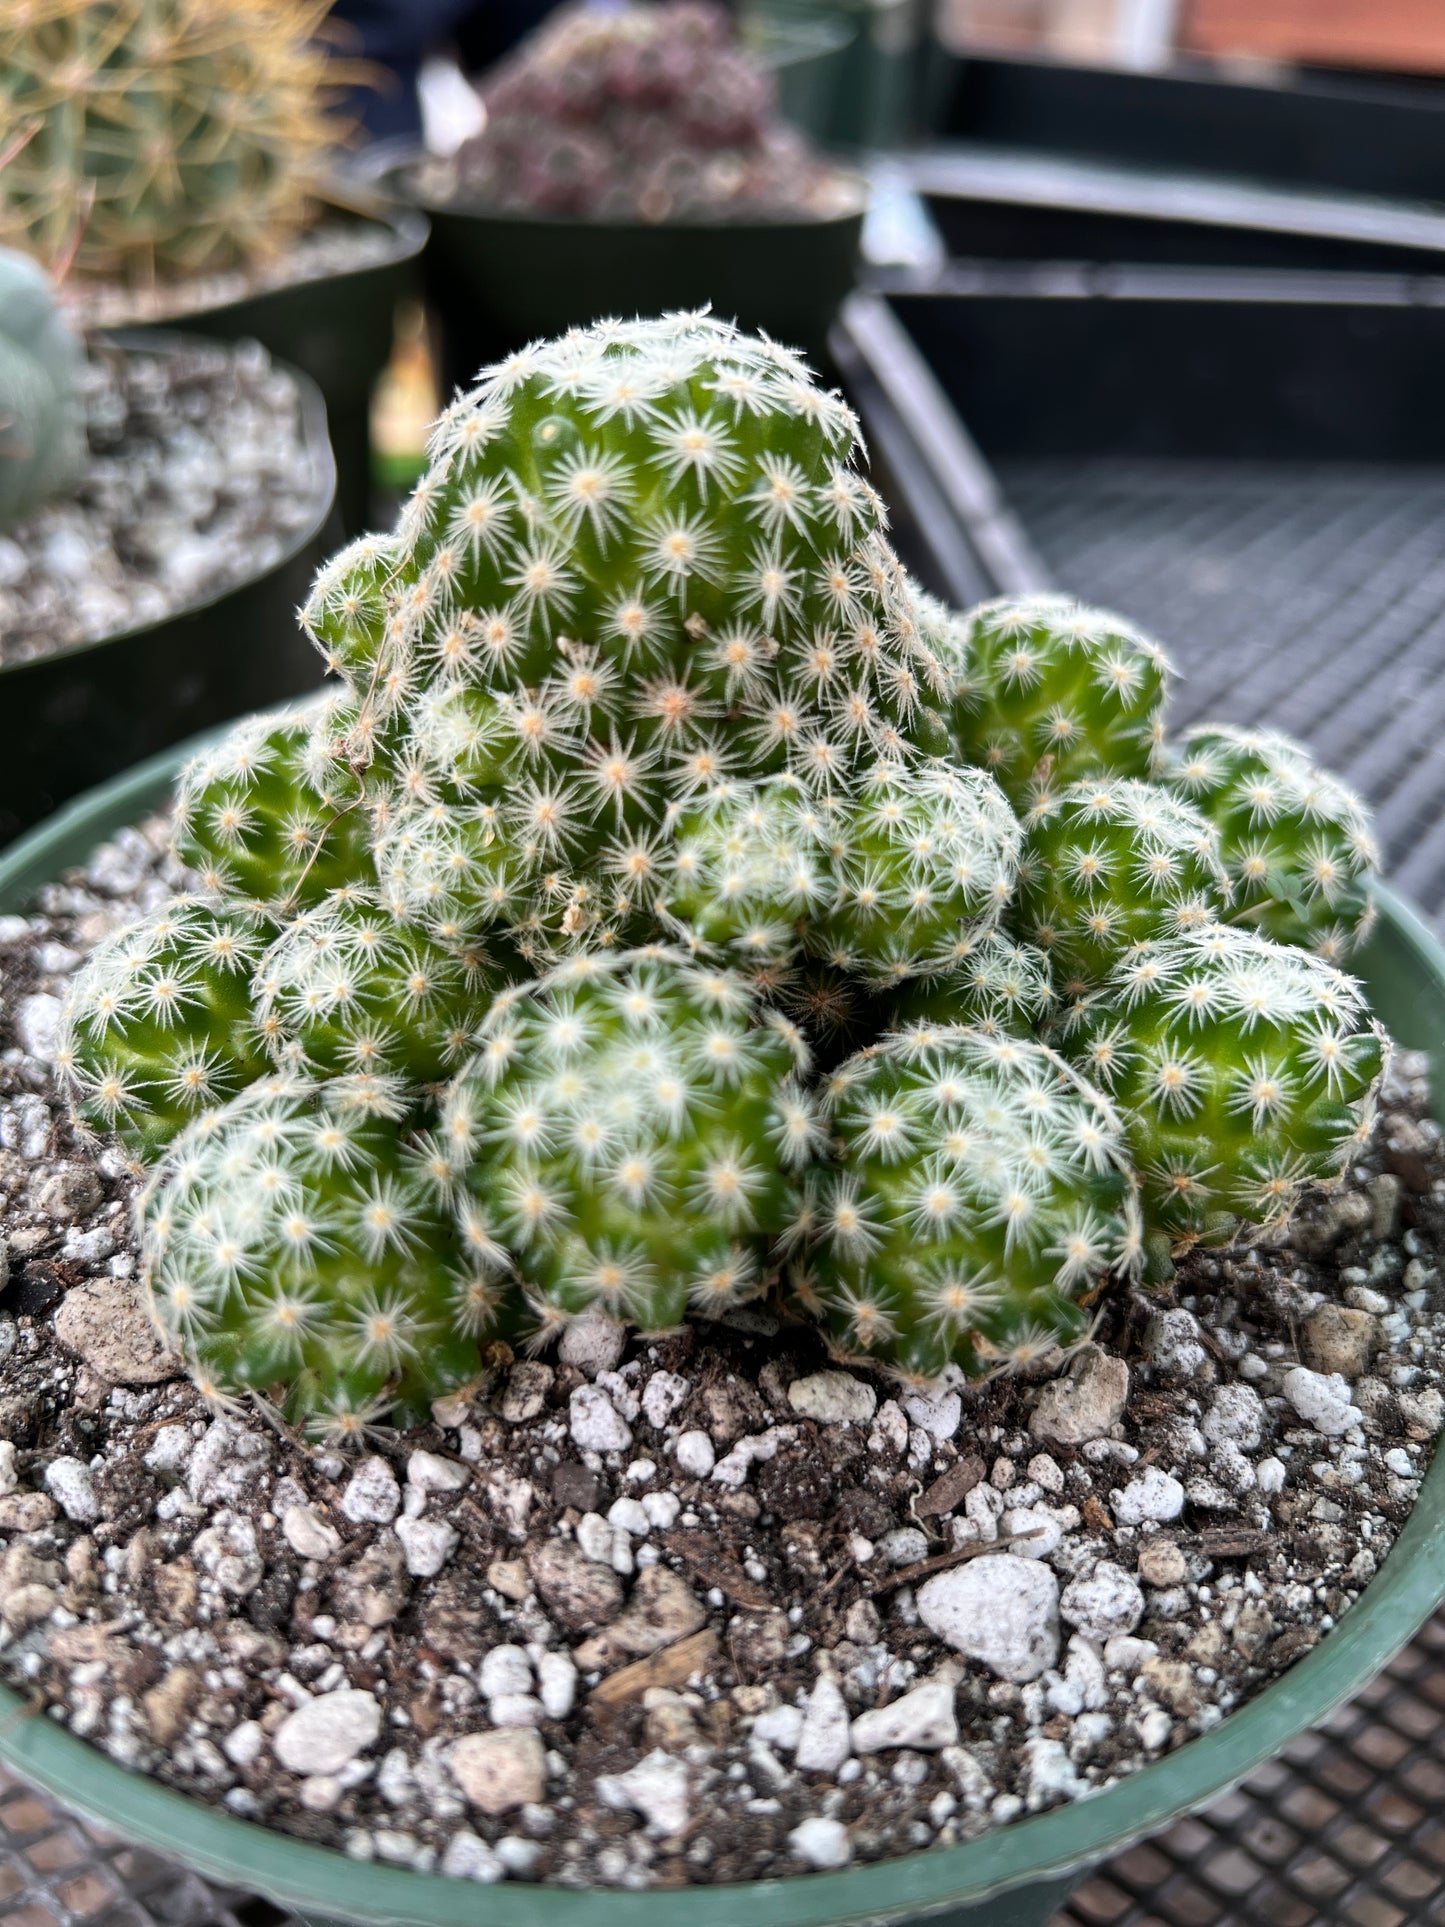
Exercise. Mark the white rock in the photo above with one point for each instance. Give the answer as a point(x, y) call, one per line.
point(1086, 1403)
point(470, 1858)
point(631, 1515)
point(500, 1770)
point(1038, 1531)
point(595, 1538)
point(1154, 1495)
point(825, 1740)
point(1269, 1475)
point(904, 1546)
point(890, 1430)
point(732, 1471)
point(9, 1478)
point(515, 1709)
point(69, 1483)
point(108, 1321)
point(372, 1493)
point(226, 1463)
point(1126, 1654)
point(662, 1509)
point(780, 1727)
point(833, 1398)
point(663, 1394)
point(243, 1745)
point(1000, 1610)
point(938, 1412)
point(1109, 1601)
point(326, 1734)
point(37, 1025)
point(594, 1343)
point(975, 1788)
point(1173, 1340)
point(427, 1543)
point(694, 1455)
point(821, 1843)
point(505, 1669)
point(1324, 1402)
point(557, 1684)
point(1235, 1417)
point(429, 1472)
point(1154, 1727)
point(228, 1552)
point(924, 1719)
point(517, 1855)
point(1083, 1685)
point(308, 1534)
point(657, 1788)
point(1049, 1774)
point(595, 1422)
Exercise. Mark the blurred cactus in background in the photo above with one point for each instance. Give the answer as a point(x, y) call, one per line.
point(42, 437)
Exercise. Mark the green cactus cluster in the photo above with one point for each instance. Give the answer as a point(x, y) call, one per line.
point(42, 438)
point(155, 139)
point(1294, 842)
point(673, 904)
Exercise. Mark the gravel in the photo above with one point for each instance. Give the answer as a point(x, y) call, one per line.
point(701, 1607)
point(198, 479)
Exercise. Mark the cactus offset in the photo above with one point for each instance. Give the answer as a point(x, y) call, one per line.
point(158, 1026)
point(42, 438)
point(1110, 863)
point(1244, 1072)
point(1046, 692)
point(1294, 841)
point(980, 1191)
point(299, 1238)
point(165, 137)
point(1000, 987)
point(272, 814)
point(630, 1129)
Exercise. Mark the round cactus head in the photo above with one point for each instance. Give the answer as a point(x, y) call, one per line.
point(1109, 863)
point(272, 813)
point(642, 563)
point(158, 1026)
point(345, 989)
point(979, 1192)
point(1244, 1071)
point(1046, 692)
point(1000, 987)
point(1294, 841)
point(42, 430)
point(296, 1242)
point(629, 1129)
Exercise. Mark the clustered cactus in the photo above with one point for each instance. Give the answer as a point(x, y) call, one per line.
point(154, 139)
point(42, 439)
point(672, 904)
point(650, 113)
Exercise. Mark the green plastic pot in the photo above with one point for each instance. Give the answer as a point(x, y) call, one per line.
point(498, 281)
point(90, 710)
point(1015, 1877)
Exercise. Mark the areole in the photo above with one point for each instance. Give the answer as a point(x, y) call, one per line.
point(1014, 1877)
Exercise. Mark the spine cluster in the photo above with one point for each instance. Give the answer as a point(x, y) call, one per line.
point(649, 922)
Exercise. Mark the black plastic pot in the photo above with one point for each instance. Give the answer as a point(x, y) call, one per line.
point(1013, 204)
point(337, 329)
point(76, 717)
point(1314, 129)
point(498, 281)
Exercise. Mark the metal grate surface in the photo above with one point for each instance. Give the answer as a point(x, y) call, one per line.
point(1310, 598)
point(1348, 1826)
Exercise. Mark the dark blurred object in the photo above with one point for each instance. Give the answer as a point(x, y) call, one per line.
point(1364, 135)
point(395, 36)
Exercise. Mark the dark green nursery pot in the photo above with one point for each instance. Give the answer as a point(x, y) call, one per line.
point(1015, 1877)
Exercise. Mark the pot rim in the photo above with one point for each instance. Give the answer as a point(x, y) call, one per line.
point(324, 1882)
point(316, 443)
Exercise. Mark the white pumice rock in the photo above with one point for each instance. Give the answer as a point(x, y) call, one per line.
point(244, 1744)
point(427, 1543)
point(429, 1472)
point(372, 1495)
point(664, 1394)
point(308, 1534)
point(657, 1788)
point(937, 1412)
point(9, 1478)
point(833, 1398)
point(1154, 1496)
point(732, 1470)
point(821, 1843)
point(1173, 1340)
point(890, 1428)
point(1034, 1532)
point(1125, 1653)
point(556, 1684)
point(779, 1727)
point(595, 1537)
point(227, 1551)
point(327, 1733)
point(1235, 1417)
point(631, 1516)
point(824, 1740)
point(37, 1025)
point(468, 1857)
point(694, 1454)
point(1324, 1401)
point(1000, 1610)
point(592, 1342)
point(924, 1719)
point(70, 1484)
point(904, 1546)
point(1109, 1601)
point(1049, 1774)
point(595, 1423)
point(505, 1669)
point(661, 1509)
point(515, 1709)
